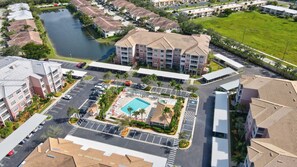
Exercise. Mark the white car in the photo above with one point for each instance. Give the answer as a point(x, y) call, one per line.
point(99, 87)
point(67, 97)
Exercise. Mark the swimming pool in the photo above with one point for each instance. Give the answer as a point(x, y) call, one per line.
point(135, 104)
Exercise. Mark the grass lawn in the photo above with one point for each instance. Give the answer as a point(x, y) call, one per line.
point(215, 66)
point(260, 31)
point(109, 40)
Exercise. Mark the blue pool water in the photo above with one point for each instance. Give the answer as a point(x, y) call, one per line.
point(135, 104)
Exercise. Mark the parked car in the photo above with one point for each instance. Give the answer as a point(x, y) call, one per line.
point(140, 86)
point(81, 64)
point(128, 83)
point(22, 142)
point(67, 97)
point(93, 97)
point(10, 153)
point(29, 136)
point(42, 123)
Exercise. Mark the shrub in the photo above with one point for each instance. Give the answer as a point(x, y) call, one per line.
point(193, 95)
point(139, 124)
point(183, 143)
point(57, 94)
point(157, 129)
point(73, 120)
point(148, 88)
point(165, 94)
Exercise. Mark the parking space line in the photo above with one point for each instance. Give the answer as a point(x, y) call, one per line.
point(147, 136)
point(140, 136)
point(98, 126)
point(86, 124)
point(92, 125)
point(153, 139)
point(134, 134)
point(160, 140)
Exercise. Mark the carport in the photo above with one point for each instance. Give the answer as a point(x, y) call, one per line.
point(229, 62)
point(18, 135)
point(164, 74)
point(76, 73)
point(220, 120)
point(219, 152)
point(218, 74)
point(230, 86)
point(99, 66)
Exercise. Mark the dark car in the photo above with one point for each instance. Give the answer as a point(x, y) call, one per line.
point(140, 86)
point(93, 97)
point(81, 64)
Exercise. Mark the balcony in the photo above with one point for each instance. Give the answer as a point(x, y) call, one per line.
point(1, 103)
point(6, 116)
point(3, 110)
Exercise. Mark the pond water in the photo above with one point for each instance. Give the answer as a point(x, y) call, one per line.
point(70, 39)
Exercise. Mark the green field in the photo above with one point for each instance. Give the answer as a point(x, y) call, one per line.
point(266, 33)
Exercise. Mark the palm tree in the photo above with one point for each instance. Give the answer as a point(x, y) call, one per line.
point(107, 75)
point(141, 112)
point(69, 77)
point(123, 122)
point(135, 114)
point(178, 87)
point(52, 131)
point(130, 109)
point(159, 83)
point(72, 111)
point(172, 83)
point(154, 77)
point(126, 75)
point(166, 111)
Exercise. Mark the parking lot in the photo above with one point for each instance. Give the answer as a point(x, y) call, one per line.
point(180, 93)
point(133, 134)
point(188, 121)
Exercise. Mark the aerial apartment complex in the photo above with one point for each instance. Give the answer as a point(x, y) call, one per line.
point(271, 122)
point(22, 27)
point(21, 78)
point(164, 50)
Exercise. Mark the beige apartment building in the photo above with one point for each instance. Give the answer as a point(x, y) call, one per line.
point(271, 122)
point(164, 3)
point(164, 50)
point(21, 78)
point(62, 152)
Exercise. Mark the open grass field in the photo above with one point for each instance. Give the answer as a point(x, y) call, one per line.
point(266, 33)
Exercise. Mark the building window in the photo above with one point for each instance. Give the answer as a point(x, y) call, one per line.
point(18, 91)
point(23, 103)
point(15, 109)
point(13, 102)
point(10, 96)
point(20, 97)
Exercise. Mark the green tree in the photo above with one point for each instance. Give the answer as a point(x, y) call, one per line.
point(135, 114)
point(159, 83)
point(166, 111)
point(126, 75)
point(190, 28)
point(52, 131)
point(11, 51)
point(123, 122)
point(295, 18)
point(69, 77)
point(72, 111)
point(130, 109)
point(172, 83)
point(35, 51)
point(107, 75)
point(178, 87)
point(141, 112)
point(192, 88)
point(154, 77)
point(146, 80)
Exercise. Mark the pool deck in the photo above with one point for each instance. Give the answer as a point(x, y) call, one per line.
point(124, 98)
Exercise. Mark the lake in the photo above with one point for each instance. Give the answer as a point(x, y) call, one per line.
point(69, 37)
